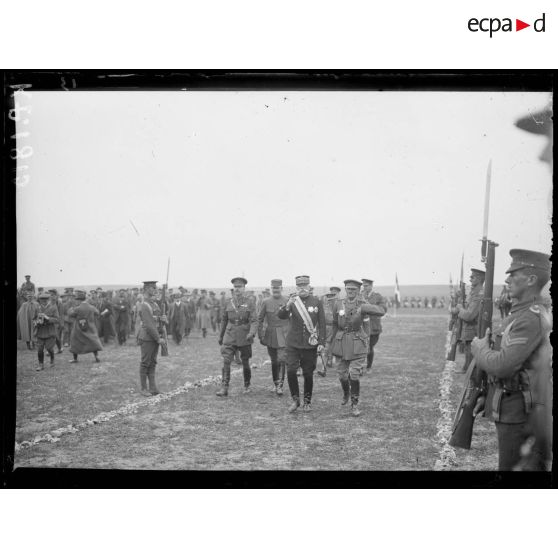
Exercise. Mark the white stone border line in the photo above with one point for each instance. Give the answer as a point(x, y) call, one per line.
point(447, 457)
point(128, 409)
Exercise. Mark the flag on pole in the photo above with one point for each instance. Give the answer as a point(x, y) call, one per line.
point(397, 293)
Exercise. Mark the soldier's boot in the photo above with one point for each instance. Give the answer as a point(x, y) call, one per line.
point(152, 385)
point(143, 381)
point(346, 391)
point(307, 407)
point(225, 379)
point(294, 405)
point(51, 355)
point(282, 369)
point(74, 360)
point(247, 373)
point(355, 392)
point(274, 376)
point(41, 362)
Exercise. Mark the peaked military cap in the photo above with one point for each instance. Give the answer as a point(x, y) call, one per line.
point(302, 280)
point(336, 289)
point(53, 291)
point(28, 277)
point(276, 282)
point(537, 123)
point(478, 270)
point(80, 295)
point(239, 280)
point(528, 258)
point(367, 281)
point(352, 283)
point(43, 296)
point(147, 284)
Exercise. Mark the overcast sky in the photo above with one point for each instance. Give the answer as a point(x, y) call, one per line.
point(275, 184)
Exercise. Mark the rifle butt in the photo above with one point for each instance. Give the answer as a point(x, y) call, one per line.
point(463, 431)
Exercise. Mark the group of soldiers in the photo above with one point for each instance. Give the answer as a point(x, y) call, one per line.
point(515, 360)
point(295, 329)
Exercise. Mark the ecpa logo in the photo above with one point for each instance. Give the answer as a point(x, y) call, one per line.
point(494, 24)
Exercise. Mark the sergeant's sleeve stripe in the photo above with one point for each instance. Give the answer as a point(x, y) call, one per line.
point(518, 341)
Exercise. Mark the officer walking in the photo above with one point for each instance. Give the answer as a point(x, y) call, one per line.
point(45, 322)
point(519, 375)
point(350, 340)
point(151, 335)
point(470, 314)
point(273, 337)
point(374, 322)
point(306, 336)
point(238, 329)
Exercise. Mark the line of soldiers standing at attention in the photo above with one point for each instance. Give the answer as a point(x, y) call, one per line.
point(515, 359)
point(424, 302)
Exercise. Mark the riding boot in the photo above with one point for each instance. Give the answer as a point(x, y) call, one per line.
point(143, 382)
point(346, 391)
point(151, 379)
point(41, 357)
point(247, 373)
point(275, 373)
point(225, 379)
point(355, 392)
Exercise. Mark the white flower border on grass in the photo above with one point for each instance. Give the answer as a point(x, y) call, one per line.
point(444, 426)
point(128, 409)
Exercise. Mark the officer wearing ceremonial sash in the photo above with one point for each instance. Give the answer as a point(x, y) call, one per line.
point(350, 340)
point(238, 329)
point(306, 336)
point(275, 333)
point(519, 375)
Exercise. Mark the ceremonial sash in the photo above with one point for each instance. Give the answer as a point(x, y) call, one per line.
point(313, 339)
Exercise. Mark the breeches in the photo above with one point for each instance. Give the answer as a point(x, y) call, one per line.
point(277, 356)
point(46, 343)
point(149, 350)
point(351, 369)
point(228, 351)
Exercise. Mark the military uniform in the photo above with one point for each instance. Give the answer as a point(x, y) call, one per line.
point(238, 329)
point(519, 376)
point(373, 323)
point(122, 322)
point(274, 335)
point(84, 338)
point(470, 316)
point(300, 351)
point(149, 338)
point(351, 342)
point(45, 321)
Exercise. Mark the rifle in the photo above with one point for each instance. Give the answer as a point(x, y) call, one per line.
point(458, 325)
point(475, 379)
point(164, 311)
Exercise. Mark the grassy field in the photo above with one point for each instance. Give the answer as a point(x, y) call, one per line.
point(196, 430)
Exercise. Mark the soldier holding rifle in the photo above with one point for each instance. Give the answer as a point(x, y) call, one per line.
point(470, 315)
point(518, 397)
